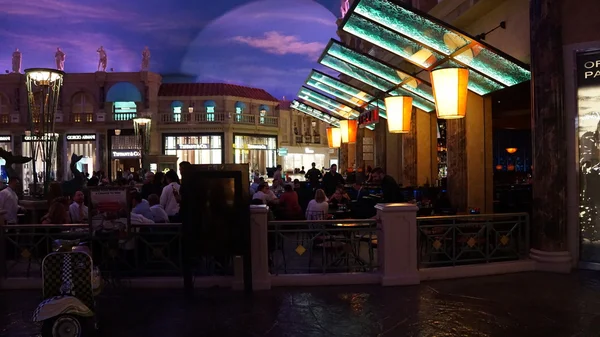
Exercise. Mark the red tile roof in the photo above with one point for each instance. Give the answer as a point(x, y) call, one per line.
point(285, 105)
point(214, 89)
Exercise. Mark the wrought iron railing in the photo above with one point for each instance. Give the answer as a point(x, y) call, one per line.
point(471, 239)
point(322, 246)
point(144, 250)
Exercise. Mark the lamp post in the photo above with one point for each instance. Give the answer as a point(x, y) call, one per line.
point(142, 126)
point(43, 93)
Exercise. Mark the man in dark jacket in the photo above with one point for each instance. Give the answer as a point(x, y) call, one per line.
point(313, 175)
point(392, 192)
point(331, 180)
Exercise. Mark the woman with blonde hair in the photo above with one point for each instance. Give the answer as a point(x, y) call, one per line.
point(318, 208)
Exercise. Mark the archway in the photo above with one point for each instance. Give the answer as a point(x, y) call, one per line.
point(124, 96)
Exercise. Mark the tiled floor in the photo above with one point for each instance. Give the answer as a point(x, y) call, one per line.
point(527, 304)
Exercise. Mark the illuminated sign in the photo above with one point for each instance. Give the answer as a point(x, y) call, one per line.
point(46, 137)
point(368, 118)
point(5, 139)
point(76, 137)
point(257, 147)
point(282, 152)
point(126, 154)
point(192, 146)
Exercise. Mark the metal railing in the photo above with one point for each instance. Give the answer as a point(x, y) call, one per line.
point(472, 239)
point(322, 246)
point(143, 251)
point(196, 117)
point(269, 121)
point(245, 119)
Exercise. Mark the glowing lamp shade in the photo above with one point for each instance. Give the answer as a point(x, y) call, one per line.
point(499, 167)
point(348, 129)
point(450, 88)
point(334, 137)
point(511, 150)
point(399, 110)
point(43, 76)
point(117, 132)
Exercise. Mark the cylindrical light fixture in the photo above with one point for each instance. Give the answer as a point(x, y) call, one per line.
point(399, 111)
point(450, 89)
point(349, 130)
point(117, 132)
point(334, 137)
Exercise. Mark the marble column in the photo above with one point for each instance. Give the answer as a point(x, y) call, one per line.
point(380, 143)
point(548, 128)
point(343, 159)
point(426, 153)
point(456, 140)
point(409, 153)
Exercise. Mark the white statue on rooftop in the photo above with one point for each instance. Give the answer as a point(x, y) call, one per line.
point(17, 57)
point(146, 59)
point(60, 57)
point(102, 59)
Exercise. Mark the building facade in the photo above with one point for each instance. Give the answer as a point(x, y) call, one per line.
point(202, 123)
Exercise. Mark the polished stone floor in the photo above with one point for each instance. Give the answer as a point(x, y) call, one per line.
point(527, 304)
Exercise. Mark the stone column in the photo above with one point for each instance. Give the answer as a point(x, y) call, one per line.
point(101, 153)
point(261, 278)
point(456, 140)
point(426, 143)
point(360, 162)
point(409, 153)
point(380, 143)
point(548, 132)
point(393, 151)
point(343, 160)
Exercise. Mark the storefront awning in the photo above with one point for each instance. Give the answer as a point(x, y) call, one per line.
point(376, 74)
point(344, 91)
point(430, 43)
point(316, 113)
point(328, 104)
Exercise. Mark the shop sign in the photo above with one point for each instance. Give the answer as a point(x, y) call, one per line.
point(257, 147)
point(5, 139)
point(192, 146)
point(368, 118)
point(126, 154)
point(282, 151)
point(46, 137)
point(79, 137)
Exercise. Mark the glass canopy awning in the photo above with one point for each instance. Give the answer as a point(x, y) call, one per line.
point(328, 104)
point(430, 43)
point(318, 114)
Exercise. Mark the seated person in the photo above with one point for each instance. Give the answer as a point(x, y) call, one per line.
point(392, 192)
point(78, 210)
point(290, 208)
point(265, 194)
point(140, 206)
point(318, 208)
point(158, 212)
point(357, 191)
point(340, 197)
point(58, 213)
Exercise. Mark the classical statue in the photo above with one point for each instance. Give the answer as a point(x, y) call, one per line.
point(102, 59)
point(10, 160)
point(145, 59)
point(16, 61)
point(69, 187)
point(60, 57)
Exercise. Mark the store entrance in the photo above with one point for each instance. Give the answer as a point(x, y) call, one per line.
point(122, 167)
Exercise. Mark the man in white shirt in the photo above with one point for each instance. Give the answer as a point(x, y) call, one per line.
point(158, 213)
point(168, 198)
point(9, 201)
point(265, 194)
point(77, 210)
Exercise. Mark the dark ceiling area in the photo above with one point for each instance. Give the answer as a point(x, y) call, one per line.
point(511, 107)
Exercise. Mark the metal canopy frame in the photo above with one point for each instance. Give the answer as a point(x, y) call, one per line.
point(392, 25)
point(308, 109)
point(327, 103)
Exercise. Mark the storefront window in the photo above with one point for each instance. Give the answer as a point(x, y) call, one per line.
point(297, 160)
point(5, 144)
point(82, 145)
point(195, 149)
point(259, 152)
point(28, 174)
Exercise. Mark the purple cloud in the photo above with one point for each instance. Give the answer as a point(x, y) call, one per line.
point(276, 43)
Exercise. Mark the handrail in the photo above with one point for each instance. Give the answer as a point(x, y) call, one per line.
point(71, 226)
point(490, 215)
point(322, 222)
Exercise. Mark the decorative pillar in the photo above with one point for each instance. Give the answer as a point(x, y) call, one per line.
point(426, 144)
point(380, 143)
point(397, 246)
point(101, 153)
point(393, 151)
point(409, 153)
point(456, 139)
point(18, 150)
point(548, 133)
point(343, 160)
point(261, 278)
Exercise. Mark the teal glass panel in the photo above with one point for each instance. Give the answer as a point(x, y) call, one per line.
point(416, 27)
point(331, 105)
point(374, 81)
point(478, 84)
point(320, 115)
point(391, 75)
point(353, 101)
point(494, 66)
point(391, 41)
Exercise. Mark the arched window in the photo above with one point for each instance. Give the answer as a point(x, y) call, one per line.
point(124, 96)
point(262, 110)
point(240, 107)
point(176, 107)
point(4, 109)
point(210, 110)
point(82, 108)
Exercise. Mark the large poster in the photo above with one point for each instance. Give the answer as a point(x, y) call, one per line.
point(109, 207)
point(588, 131)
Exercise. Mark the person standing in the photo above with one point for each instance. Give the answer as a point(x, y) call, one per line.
point(170, 194)
point(313, 176)
point(9, 201)
point(331, 180)
point(390, 189)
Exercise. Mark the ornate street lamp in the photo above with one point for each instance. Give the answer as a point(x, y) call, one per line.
point(142, 126)
point(450, 89)
point(399, 111)
point(43, 93)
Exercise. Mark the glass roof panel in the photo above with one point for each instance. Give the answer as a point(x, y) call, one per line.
point(374, 81)
point(478, 83)
point(320, 115)
point(391, 41)
point(341, 86)
point(494, 66)
point(392, 75)
point(410, 24)
point(327, 103)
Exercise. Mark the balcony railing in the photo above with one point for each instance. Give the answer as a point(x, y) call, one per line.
point(218, 117)
point(245, 119)
point(125, 116)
